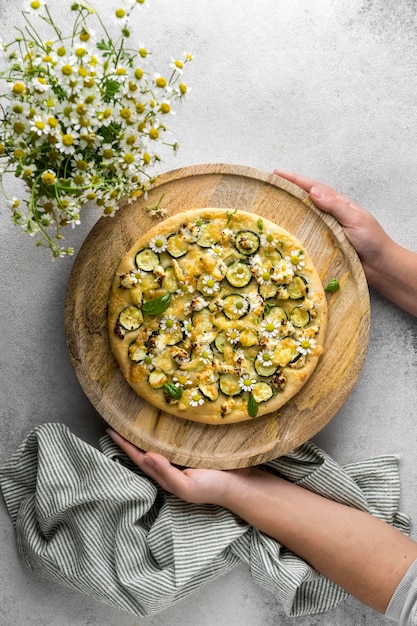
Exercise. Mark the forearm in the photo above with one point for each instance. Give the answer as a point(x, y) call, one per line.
point(362, 554)
point(396, 277)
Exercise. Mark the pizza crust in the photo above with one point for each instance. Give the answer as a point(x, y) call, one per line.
point(186, 339)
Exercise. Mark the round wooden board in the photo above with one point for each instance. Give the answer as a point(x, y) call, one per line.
point(228, 446)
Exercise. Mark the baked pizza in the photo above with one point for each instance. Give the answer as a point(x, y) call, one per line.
point(217, 316)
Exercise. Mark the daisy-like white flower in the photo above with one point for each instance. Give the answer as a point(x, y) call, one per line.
point(34, 6)
point(181, 379)
point(264, 357)
point(240, 307)
point(206, 355)
point(296, 258)
point(67, 142)
point(216, 249)
point(232, 335)
point(169, 323)
point(246, 383)
point(130, 279)
point(283, 272)
point(187, 327)
point(184, 287)
point(177, 65)
point(38, 125)
point(158, 243)
point(263, 276)
point(40, 84)
point(306, 345)
point(269, 328)
point(48, 177)
point(210, 285)
point(196, 399)
point(268, 240)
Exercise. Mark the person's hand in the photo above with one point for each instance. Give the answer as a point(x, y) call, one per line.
point(361, 228)
point(201, 486)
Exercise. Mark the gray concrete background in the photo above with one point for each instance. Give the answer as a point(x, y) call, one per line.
point(325, 88)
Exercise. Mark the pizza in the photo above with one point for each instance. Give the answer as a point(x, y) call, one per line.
point(217, 316)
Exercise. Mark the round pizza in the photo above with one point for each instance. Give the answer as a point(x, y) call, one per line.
point(217, 316)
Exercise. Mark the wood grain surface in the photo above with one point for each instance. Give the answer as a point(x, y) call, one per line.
point(246, 443)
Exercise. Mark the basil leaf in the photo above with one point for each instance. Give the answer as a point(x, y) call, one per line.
point(158, 305)
point(332, 286)
point(252, 406)
point(173, 391)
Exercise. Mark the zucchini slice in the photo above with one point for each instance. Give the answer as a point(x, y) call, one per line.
point(137, 353)
point(265, 368)
point(300, 317)
point(298, 288)
point(247, 242)
point(146, 259)
point(229, 385)
point(157, 379)
point(220, 342)
point(208, 235)
point(262, 391)
point(248, 337)
point(170, 281)
point(235, 306)
point(238, 274)
point(210, 391)
point(177, 246)
point(276, 314)
point(174, 337)
point(130, 318)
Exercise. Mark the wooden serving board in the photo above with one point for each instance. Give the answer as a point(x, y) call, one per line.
point(182, 441)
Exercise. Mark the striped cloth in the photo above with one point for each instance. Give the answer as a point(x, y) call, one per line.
point(91, 520)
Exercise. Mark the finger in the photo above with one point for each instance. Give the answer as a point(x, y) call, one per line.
point(302, 181)
point(343, 208)
point(154, 465)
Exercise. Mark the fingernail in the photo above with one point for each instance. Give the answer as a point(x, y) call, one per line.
point(316, 192)
point(149, 460)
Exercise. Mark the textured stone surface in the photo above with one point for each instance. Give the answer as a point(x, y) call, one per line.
point(324, 88)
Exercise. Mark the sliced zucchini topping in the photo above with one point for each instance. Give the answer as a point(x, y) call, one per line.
point(147, 260)
point(208, 235)
point(235, 306)
point(229, 385)
point(131, 318)
point(247, 242)
point(300, 317)
point(297, 288)
point(238, 274)
point(262, 391)
point(177, 246)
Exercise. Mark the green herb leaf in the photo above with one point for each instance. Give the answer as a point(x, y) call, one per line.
point(260, 225)
point(252, 406)
point(332, 286)
point(229, 215)
point(173, 391)
point(158, 305)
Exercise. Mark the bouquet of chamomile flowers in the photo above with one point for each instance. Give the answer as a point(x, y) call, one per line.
point(82, 115)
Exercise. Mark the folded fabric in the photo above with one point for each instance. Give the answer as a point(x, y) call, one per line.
point(91, 520)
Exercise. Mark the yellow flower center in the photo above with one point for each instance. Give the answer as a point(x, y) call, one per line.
point(146, 158)
point(120, 13)
point(108, 153)
point(165, 107)
point(161, 82)
point(67, 70)
point(128, 159)
point(143, 52)
point(35, 4)
point(183, 88)
point(269, 327)
point(18, 88)
point(84, 36)
point(61, 52)
point(154, 134)
point(67, 140)
point(48, 178)
point(19, 128)
point(120, 71)
point(40, 125)
point(125, 113)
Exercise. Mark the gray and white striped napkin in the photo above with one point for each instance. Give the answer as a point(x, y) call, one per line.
point(90, 519)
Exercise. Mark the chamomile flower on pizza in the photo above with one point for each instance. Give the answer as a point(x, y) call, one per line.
point(217, 316)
